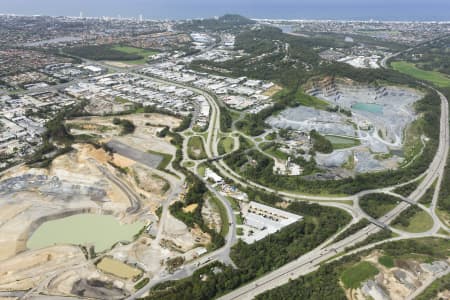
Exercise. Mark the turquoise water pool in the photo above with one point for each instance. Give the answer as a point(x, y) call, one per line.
point(369, 107)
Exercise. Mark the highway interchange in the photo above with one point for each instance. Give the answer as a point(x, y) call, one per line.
point(311, 260)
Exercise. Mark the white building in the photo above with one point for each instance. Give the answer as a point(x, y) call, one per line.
point(210, 174)
point(262, 220)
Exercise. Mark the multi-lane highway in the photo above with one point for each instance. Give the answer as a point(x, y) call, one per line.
point(310, 261)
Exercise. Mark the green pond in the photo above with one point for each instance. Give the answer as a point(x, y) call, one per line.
point(102, 231)
point(370, 107)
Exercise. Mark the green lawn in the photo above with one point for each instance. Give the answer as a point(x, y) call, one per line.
point(132, 50)
point(434, 77)
point(355, 275)
point(196, 149)
point(226, 145)
point(201, 169)
point(189, 164)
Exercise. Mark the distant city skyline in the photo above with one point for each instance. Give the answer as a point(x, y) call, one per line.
point(395, 10)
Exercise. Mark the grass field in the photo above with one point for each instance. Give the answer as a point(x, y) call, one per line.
point(307, 100)
point(304, 99)
point(118, 268)
point(117, 54)
point(342, 142)
point(355, 275)
point(201, 169)
point(443, 216)
point(436, 78)
point(141, 283)
point(166, 159)
point(234, 203)
point(189, 164)
point(226, 145)
point(196, 149)
point(132, 50)
point(273, 150)
point(420, 222)
point(386, 261)
point(377, 205)
point(239, 220)
point(412, 141)
point(413, 220)
point(223, 215)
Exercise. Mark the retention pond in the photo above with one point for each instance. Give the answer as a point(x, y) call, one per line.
point(102, 231)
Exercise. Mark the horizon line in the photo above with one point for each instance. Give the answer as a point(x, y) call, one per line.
point(137, 18)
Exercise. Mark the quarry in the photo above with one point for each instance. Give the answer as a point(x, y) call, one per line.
point(375, 117)
point(87, 225)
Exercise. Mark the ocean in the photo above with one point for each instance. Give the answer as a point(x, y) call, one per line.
point(401, 10)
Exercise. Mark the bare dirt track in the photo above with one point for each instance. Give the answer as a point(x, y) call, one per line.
point(91, 180)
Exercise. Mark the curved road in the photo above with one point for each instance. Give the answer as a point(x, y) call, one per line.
point(310, 261)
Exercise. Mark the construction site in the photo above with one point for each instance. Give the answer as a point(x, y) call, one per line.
point(396, 278)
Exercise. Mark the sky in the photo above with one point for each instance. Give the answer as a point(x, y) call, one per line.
point(414, 10)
